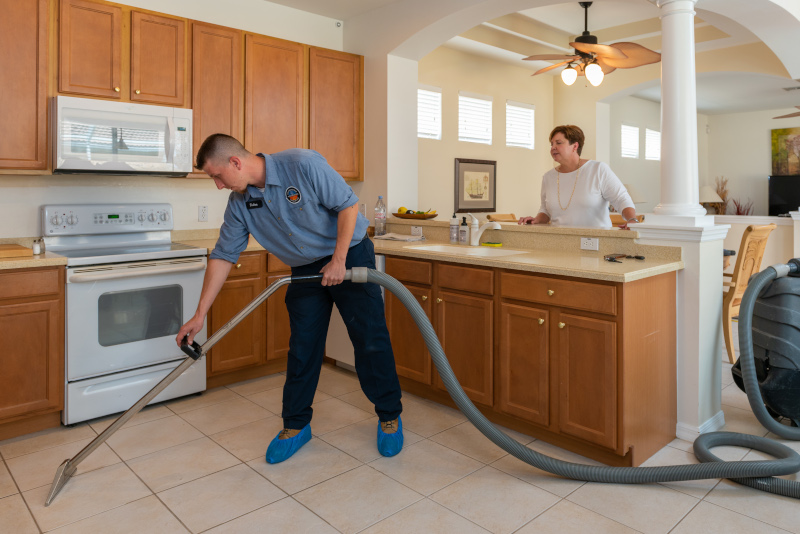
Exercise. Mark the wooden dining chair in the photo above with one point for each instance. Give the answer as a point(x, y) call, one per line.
point(748, 263)
point(502, 217)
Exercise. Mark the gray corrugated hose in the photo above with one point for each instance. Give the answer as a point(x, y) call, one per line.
point(756, 474)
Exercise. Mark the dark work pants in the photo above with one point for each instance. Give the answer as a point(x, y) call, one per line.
point(361, 307)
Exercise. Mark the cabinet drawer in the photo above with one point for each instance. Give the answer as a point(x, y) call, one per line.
point(415, 271)
point(248, 265)
point(565, 293)
point(274, 264)
point(466, 279)
point(22, 284)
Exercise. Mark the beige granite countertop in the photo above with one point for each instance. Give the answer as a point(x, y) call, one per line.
point(208, 244)
point(48, 259)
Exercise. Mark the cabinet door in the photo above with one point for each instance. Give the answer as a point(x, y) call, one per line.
point(158, 59)
point(23, 84)
point(587, 370)
point(411, 356)
point(523, 363)
point(90, 55)
point(274, 107)
point(32, 366)
point(464, 325)
point(216, 82)
point(336, 94)
point(278, 330)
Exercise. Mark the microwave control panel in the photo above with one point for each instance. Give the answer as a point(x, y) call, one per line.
point(87, 219)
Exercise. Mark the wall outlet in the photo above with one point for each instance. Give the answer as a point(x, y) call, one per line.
point(416, 230)
point(590, 243)
point(202, 213)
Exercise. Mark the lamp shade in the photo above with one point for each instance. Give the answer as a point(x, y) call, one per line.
point(635, 194)
point(594, 74)
point(569, 75)
point(707, 195)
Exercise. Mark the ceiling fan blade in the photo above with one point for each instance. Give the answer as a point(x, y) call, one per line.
point(549, 57)
point(636, 56)
point(790, 115)
point(604, 66)
point(599, 49)
point(551, 67)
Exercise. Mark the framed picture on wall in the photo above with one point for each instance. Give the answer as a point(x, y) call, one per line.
point(786, 152)
point(475, 185)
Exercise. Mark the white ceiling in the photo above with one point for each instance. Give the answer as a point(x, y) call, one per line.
point(727, 92)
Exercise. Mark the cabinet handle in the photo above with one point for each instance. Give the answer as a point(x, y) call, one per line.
point(438, 300)
point(116, 89)
point(550, 292)
point(561, 325)
point(541, 321)
point(238, 265)
point(424, 297)
point(137, 91)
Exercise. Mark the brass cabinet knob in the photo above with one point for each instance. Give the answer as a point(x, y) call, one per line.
point(541, 321)
point(561, 325)
point(238, 265)
point(116, 89)
point(438, 301)
point(550, 292)
point(424, 297)
point(137, 91)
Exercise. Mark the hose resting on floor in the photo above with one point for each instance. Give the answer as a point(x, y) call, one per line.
point(756, 474)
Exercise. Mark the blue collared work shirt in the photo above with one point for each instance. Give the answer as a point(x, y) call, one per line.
point(296, 216)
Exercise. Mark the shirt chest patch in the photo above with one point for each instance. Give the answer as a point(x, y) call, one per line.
point(293, 194)
point(254, 204)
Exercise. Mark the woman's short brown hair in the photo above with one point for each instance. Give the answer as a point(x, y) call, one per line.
point(572, 133)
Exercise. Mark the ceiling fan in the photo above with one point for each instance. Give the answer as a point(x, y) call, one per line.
point(596, 60)
point(795, 114)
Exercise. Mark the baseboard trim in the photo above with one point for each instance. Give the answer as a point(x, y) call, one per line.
point(690, 432)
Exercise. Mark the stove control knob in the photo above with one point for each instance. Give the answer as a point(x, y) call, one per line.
point(56, 220)
point(151, 217)
point(165, 216)
point(72, 219)
point(141, 216)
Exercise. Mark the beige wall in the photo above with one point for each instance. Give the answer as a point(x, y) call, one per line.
point(519, 170)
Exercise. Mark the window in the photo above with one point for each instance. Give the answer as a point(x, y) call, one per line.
point(630, 141)
point(652, 144)
point(519, 124)
point(429, 113)
point(474, 118)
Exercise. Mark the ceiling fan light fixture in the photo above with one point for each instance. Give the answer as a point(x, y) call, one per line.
point(594, 74)
point(569, 75)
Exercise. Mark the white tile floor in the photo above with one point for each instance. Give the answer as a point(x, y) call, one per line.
point(197, 465)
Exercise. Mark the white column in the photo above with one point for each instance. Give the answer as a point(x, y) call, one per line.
point(795, 233)
point(679, 180)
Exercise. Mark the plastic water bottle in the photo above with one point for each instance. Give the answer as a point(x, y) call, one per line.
point(380, 217)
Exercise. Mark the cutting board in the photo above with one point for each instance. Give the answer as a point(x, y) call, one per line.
point(15, 251)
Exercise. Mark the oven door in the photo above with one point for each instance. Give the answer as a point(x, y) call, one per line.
point(127, 315)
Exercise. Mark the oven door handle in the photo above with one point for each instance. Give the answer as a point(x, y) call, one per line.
point(143, 271)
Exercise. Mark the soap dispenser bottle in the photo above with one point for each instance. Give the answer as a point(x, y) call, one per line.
point(473, 228)
point(454, 229)
point(463, 232)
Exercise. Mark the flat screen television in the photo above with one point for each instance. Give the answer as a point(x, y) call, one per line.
point(784, 194)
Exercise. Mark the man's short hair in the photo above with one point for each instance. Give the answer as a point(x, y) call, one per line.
point(218, 146)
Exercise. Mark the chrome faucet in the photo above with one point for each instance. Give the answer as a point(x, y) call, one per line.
point(475, 232)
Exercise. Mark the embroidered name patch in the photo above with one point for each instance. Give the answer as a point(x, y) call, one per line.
point(293, 194)
point(253, 204)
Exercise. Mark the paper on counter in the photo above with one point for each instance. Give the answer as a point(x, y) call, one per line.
point(400, 237)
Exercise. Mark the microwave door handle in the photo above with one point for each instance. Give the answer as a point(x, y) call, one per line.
point(171, 140)
point(103, 276)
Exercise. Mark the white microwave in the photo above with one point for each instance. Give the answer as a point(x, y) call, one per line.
point(102, 136)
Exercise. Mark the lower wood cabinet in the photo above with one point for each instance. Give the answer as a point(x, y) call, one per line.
point(586, 365)
point(32, 344)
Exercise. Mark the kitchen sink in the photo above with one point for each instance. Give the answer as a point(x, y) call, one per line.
point(485, 252)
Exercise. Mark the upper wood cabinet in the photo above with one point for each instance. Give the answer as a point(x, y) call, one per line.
point(23, 84)
point(216, 82)
point(158, 59)
point(90, 51)
point(274, 105)
point(336, 110)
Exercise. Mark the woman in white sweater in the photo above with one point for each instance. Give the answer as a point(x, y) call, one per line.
point(587, 189)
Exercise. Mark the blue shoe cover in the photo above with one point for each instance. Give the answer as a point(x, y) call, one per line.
point(281, 449)
point(390, 444)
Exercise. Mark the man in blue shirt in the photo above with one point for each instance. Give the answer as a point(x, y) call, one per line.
point(297, 207)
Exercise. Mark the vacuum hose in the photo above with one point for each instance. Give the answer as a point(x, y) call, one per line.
point(757, 474)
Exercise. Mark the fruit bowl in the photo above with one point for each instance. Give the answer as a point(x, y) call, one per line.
point(415, 215)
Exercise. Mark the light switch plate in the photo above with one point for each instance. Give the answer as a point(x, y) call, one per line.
point(416, 230)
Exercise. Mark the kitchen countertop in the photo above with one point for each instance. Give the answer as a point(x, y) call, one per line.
point(48, 259)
